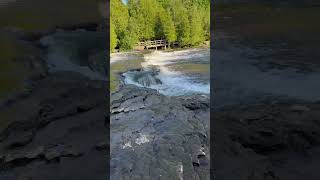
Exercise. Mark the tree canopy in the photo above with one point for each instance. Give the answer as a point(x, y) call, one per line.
point(186, 22)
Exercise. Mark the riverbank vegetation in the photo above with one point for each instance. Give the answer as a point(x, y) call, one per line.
point(186, 22)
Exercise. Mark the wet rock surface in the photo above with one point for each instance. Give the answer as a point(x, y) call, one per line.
point(158, 137)
point(267, 140)
point(55, 132)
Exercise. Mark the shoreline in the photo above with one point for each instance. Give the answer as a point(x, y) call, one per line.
point(134, 54)
point(146, 51)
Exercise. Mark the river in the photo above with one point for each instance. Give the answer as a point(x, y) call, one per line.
point(172, 73)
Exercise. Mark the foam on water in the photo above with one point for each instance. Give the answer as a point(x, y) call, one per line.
point(174, 83)
point(164, 58)
point(114, 57)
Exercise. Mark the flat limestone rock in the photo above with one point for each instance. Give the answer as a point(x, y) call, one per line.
point(154, 136)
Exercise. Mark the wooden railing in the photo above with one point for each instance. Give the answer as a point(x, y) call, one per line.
point(155, 43)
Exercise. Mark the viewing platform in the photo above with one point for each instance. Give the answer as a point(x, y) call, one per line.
point(152, 44)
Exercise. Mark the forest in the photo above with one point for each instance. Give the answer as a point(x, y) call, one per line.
point(184, 22)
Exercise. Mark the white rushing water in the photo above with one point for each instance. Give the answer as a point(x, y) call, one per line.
point(115, 57)
point(174, 83)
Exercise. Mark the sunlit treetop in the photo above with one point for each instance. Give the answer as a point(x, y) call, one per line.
point(186, 22)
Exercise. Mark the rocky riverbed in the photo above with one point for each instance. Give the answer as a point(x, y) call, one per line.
point(153, 134)
point(159, 137)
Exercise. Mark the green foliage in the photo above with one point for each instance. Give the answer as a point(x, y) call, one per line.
point(144, 13)
point(148, 9)
point(113, 37)
point(119, 15)
point(165, 27)
point(196, 31)
point(130, 37)
point(128, 41)
point(184, 21)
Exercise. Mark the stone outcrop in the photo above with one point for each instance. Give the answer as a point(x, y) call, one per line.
point(158, 137)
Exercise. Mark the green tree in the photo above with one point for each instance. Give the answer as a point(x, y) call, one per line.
point(136, 17)
point(184, 21)
point(197, 28)
point(119, 16)
point(181, 21)
point(130, 37)
point(206, 21)
point(165, 27)
point(148, 10)
point(113, 37)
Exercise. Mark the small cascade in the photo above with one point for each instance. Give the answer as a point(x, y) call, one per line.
point(144, 78)
point(157, 72)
